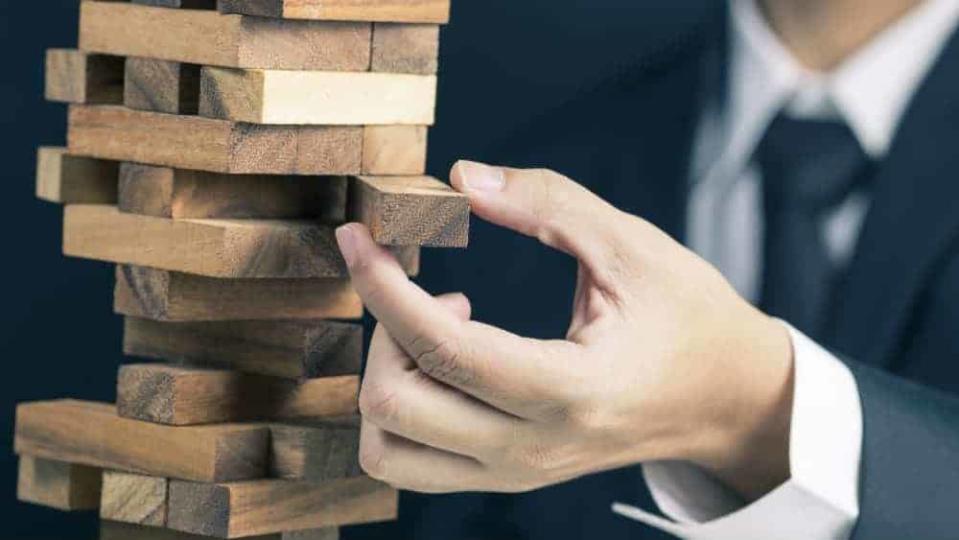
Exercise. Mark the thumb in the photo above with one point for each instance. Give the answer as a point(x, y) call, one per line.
point(545, 205)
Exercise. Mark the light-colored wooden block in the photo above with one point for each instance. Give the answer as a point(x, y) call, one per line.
point(134, 498)
point(173, 296)
point(93, 434)
point(185, 396)
point(184, 4)
point(210, 38)
point(394, 150)
point(406, 48)
point(115, 530)
point(316, 451)
point(161, 86)
point(411, 210)
point(66, 179)
point(191, 142)
point(243, 509)
point(288, 349)
point(251, 249)
point(179, 194)
point(57, 484)
point(317, 97)
point(406, 11)
point(74, 76)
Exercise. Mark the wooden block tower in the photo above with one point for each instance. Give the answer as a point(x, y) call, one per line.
point(212, 149)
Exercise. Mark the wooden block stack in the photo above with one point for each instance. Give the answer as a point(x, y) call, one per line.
point(212, 149)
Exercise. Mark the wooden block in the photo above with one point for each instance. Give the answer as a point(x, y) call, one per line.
point(180, 193)
point(406, 48)
point(410, 210)
point(214, 39)
point(409, 11)
point(317, 451)
point(74, 76)
point(57, 484)
point(93, 434)
point(190, 142)
point(172, 296)
point(184, 396)
point(214, 248)
point(394, 150)
point(243, 509)
point(185, 4)
point(317, 97)
point(67, 179)
point(134, 498)
point(289, 349)
point(161, 86)
point(114, 530)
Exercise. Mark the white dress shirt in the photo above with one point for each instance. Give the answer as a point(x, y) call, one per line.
point(870, 91)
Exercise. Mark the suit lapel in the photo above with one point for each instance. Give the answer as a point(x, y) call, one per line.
point(914, 216)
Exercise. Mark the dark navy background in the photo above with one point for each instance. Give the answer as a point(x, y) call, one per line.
point(503, 63)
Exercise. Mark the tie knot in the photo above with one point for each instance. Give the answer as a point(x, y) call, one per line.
point(812, 163)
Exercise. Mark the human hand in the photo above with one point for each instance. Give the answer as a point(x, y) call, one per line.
point(662, 360)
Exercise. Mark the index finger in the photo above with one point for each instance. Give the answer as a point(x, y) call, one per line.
point(521, 376)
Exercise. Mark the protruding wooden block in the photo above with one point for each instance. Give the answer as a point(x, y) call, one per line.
point(161, 86)
point(184, 4)
point(316, 451)
point(394, 150)
point(114, 530)
point(134, 498)
point(184, 396)
point(411, 210)
point(317, 97)
point(192, 142)
point(406, 48)
point(74, 76)
point(214, 39)
point(289, 349)
point(93, 434)
point(57, 484)
point(213, 248)
point(407, 11)
point(172, 296)
point(66, 179)
point(180, 194)
point(268, 506)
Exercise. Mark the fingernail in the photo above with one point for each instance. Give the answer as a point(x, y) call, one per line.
point(347, 242)
point(480, 177)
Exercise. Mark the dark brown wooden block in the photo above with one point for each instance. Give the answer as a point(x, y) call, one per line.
point(288, 349)
point(180, 194)
point(74, 76)
point(183, 396)
point(243, 509)
point(316, 451)
point(57, 484)
point(93, 434)
point(134, 498)
point(411, 210)
point(161, 86)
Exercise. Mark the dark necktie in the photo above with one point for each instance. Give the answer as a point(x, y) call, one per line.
point(809, 168)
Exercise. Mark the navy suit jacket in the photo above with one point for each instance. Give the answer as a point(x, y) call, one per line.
point(629, 138)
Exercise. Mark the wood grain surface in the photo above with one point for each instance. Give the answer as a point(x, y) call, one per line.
point(407, 11)
point(316, 451)
point(191, 142)
point(211, 38)
point(406, 48)
point(93, 434)
point(288, 349)
point(180, 194)
point(161, 86)
point(74, 76)
point(317, 97)
point(241, 509)
point(134, 498)
point(113, 530)
point(67, 179)
point(184, 396)
point(185, 4)
point(57, 484)
point(394, 150)
point(410, 210)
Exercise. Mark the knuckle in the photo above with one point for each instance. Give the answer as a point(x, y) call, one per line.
point(534, 457)
point(444, 361)
point(377, 402)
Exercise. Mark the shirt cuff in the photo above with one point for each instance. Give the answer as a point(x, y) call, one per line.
point(819, 501)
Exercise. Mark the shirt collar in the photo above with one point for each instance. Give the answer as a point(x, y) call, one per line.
point(869, 91)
